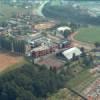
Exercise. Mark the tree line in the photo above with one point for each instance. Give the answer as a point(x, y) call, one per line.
point(69, 13)
point(12, 45)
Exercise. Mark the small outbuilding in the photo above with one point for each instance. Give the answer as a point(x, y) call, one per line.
point(63, 28)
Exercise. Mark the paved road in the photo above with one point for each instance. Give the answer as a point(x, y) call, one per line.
point(38, 11)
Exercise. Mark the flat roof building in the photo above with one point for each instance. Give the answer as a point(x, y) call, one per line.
point(69, 53)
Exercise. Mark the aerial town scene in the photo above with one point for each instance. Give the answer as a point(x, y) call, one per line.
point(49, 50)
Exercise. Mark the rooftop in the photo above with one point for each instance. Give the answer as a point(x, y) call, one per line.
point(63, 28)
point(40, 48)
point(69, 53)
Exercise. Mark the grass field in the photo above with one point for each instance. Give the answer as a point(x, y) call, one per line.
point(89, 34)
point(80, 82)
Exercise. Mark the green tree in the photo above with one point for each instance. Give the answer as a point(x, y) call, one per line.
point(5, 43)
point(66, 33)
point(19, 46)
point(29, 82)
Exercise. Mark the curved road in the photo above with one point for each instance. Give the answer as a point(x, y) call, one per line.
point(38, 11)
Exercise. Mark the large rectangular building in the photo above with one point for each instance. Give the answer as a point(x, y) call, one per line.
point(68, 54)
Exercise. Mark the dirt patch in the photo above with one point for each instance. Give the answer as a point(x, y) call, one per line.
point(7, 60)
point(52, 61)
point(45, 25)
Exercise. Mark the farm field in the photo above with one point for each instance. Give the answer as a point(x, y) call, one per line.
point(66, 94)
point(89, 34)
point(80, 82)
point(7, 60)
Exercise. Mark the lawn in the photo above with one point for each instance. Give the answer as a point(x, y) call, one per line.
point(89, 34)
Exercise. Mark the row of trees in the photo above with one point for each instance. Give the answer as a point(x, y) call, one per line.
point(87, 58)
point(12, 45)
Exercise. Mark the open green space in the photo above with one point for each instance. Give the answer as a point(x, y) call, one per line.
point(81, 81)
point(89, 34)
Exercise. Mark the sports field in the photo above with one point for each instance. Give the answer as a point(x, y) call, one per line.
point(89, 34)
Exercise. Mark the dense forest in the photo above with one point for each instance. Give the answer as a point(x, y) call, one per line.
point(69, 13)
point(30, 82)
point(12, 45)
